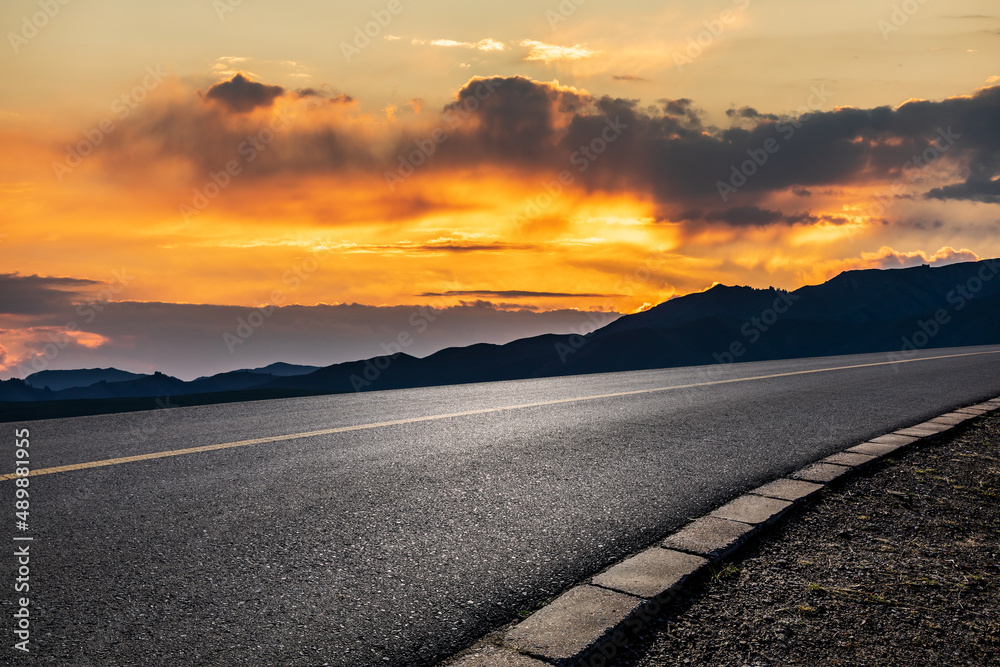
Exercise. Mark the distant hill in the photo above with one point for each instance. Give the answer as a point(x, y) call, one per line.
point(17, 390)
point(157, 384)
point(57, 380)
point(855, 312)
point(232, 381)
point(111, 383)
point(281, 369)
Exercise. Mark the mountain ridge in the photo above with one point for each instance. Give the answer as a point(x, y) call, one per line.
point(857, 311)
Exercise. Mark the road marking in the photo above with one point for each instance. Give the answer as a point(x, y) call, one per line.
point(414, 420)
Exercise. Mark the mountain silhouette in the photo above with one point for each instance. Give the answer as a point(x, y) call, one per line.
point(897, 311)
point(57, 380)
point(874, 310)
point(281, 369)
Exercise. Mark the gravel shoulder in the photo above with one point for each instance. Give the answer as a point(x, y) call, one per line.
point(900, 564)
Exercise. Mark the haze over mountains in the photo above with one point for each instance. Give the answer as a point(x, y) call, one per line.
point(111, 382)
point(895, 310)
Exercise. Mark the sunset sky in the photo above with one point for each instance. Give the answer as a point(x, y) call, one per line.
point(168, 168)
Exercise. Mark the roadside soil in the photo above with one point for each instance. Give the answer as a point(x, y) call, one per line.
point(898, 565)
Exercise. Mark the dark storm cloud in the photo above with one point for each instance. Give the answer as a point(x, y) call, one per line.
point(683, 109)
point(810, 219)
point(753, 216)
point(670, 154)
point(539, 130)
point(241, 94)
point(982, 191)
point(751, 113)
point(209, 136)
point(40, 295)
point(515, 119)
point(743, 216)
point(340, 98)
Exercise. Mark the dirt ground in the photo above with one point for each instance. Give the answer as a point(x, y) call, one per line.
point(898, 566)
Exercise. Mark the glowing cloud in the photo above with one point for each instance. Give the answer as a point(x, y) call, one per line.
point(548, 53)
point(887, 258)
point(487, 44)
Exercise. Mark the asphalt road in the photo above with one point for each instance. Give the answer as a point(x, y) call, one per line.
point(399, 544)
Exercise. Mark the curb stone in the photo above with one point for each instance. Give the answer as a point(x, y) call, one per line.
point(753, 509)
point(573, 623)
point(822, 473)
point(794, 490)
point(654, 572)
point(592, 619)
point(492, 656)
point(894, 439)
point(874, 449)
point(711, 537)
point(855, 459)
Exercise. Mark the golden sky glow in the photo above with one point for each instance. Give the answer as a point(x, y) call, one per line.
point(209, 150)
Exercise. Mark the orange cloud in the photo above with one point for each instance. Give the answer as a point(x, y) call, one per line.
point(515, 185)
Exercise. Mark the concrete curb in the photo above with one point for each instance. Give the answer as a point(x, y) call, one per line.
point(595, 618)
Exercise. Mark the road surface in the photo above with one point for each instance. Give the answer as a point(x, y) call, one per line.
point(401, 530)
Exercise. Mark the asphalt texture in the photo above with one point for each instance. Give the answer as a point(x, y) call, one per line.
point(401, 544)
